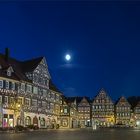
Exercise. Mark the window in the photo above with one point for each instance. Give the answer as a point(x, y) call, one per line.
point(13, 86)
point(43, 104)
point(6, 99)
point(19, 100)
point(8, 73)
point(34, 102)
point(49, 95)
point(11, 100)
point(35, 90)
point(22, 86)
point(1, 83)
point(7, 84)
point(96, 101)
point(29, 88)
point(39, 104)
point(44, 92)
point(27, 102)
point(27, 121)
point(57, 97)
point(65, 110)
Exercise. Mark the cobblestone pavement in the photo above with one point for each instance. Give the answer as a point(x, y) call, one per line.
point(75, 134)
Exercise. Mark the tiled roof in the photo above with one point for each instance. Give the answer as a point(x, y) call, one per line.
point(16, 65)
point(122, 100)
point(19, 67)
point(30, 65)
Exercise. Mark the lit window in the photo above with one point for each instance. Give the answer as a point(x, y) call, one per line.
point(20, 100)
point(65, 110)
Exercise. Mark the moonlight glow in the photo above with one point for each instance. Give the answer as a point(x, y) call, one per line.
point(67, 57)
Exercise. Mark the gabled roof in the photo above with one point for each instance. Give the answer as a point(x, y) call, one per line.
point(122, 101)
point(102, 94)
point(64, 99)
point(30, 65)
point(138, 104)
point(18, 74)
point(19, 67)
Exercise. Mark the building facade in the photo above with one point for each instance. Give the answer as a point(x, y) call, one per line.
point(64, 114)
point(25, 94)
point(136, 116)
point(73, 112)
point(123, 112)
point(84, 111)
point(103, 110)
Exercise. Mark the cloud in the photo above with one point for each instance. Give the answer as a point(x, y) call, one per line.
point(74, 66)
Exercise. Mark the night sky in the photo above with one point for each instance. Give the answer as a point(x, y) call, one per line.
point(103, 39)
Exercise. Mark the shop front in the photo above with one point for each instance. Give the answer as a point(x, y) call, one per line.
point(8, 118)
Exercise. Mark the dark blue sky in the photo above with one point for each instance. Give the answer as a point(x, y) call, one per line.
point(102, 37)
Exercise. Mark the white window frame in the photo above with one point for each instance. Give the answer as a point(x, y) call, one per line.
point(6, 99)
point(7, 84)
point(23, 85)
point(13, 86)
point(1, 83)
point(29, 87)
point(35, 90)
point(9, 73)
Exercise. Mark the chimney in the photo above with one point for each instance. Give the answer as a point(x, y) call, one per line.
point(6, 54)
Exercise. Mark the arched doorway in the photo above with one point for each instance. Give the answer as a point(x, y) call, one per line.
point(28, 121)
point(35, 121)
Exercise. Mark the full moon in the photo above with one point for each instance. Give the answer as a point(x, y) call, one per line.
point(67, 57)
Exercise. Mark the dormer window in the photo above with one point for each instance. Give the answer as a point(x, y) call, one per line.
point(9, 71)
